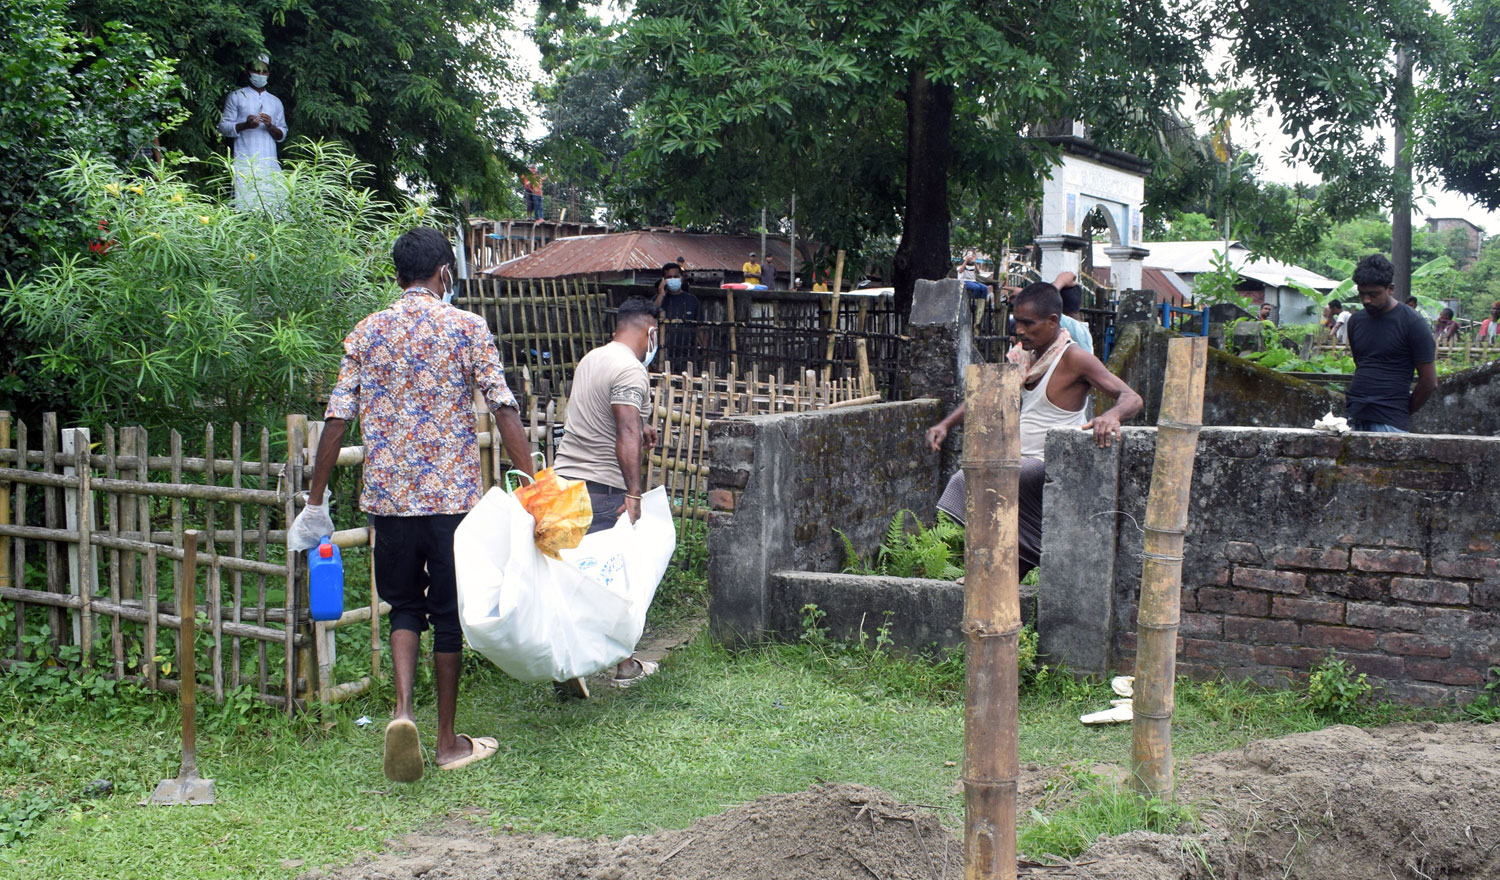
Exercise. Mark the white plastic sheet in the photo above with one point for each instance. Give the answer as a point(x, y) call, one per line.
point(541, 619)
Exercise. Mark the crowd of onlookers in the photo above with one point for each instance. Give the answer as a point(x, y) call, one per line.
point(1446, 330)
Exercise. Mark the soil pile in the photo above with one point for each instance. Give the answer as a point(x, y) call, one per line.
point(829, 832)
point(1409, 802)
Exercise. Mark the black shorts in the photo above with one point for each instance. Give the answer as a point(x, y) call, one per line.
point(414, 575)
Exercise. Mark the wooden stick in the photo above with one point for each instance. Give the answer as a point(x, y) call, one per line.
point(5, 580)
point(295, 427)
point(116, 558)
point(18, 547)
point(833, 322)
point(237, 578)
point(86, 570)
point(187, 671)
point(1161, 573)
point(992, 620)
point(49, 511)
point(148, 585)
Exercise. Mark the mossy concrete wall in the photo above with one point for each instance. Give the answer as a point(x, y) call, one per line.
point(1384, 549)
point(1466, 402)
point(1236, 391)
point(780, 485)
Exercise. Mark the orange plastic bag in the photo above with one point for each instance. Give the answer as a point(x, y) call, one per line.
point(561, 509)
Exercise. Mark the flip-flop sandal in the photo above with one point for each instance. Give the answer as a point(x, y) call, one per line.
point(481, 747)
point(648, 667)
point(573, 688)
point(403, 751)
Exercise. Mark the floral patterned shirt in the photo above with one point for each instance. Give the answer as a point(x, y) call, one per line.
point(408, 375)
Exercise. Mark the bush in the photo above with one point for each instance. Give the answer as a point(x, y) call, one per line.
point(186, 309)
point(1333, 691)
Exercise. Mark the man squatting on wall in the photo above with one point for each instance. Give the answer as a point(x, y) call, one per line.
point(1059, 374)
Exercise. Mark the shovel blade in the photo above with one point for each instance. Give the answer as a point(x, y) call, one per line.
point(190, 790)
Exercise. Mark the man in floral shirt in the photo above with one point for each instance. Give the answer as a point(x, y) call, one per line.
point(408, 375)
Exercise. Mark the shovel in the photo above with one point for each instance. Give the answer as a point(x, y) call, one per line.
point(188, 787)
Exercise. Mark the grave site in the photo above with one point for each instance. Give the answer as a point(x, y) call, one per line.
point(1313, 692)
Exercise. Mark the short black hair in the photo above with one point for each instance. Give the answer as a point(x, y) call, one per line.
point(1374, 270)
point(1412, 301)
point(666, 266)
point(1447, 313)
point(1072, 298)
point(1335, 306)
point(1042, 297)
point(418, 254)
point(636, 309)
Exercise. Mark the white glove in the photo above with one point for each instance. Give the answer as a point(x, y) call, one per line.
point(310, 526)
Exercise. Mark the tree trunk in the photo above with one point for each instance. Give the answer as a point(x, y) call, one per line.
point(924, 252)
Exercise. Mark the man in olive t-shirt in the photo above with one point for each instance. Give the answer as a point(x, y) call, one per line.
point(608, 429)
point(1389, 342)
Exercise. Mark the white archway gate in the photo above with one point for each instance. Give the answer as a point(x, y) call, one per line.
point(1088, 177)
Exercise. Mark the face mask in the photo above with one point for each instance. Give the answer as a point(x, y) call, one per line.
point(650, 347)
point(259, 80)
point(447, 285)
point(674, 284)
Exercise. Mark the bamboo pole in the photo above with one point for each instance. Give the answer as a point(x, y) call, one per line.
point(833, 321)
point(4, 503)
point(992, 620)
point(1161, 572)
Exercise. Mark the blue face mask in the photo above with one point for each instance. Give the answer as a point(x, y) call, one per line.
point(674, 284)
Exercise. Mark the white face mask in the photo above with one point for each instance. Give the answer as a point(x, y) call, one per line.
point(447, 285)
point(259, 80)
point(650, 347)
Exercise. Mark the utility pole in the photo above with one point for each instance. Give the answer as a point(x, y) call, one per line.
point(1402, 185)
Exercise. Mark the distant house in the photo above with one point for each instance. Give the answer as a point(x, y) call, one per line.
point(1473, 235)
point(1171, 266)
point(637, 257)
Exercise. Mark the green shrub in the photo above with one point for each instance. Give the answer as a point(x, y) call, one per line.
point(189, 309)
point(935, 552)
point(1485, 708)
point(1332, 689)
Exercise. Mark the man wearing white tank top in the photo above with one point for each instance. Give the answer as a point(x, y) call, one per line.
point(1059, 376)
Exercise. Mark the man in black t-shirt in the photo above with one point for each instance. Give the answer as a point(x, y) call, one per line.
point(683, 337)
point(1389, 342)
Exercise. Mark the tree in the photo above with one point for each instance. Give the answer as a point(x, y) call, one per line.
point(873, 111)
point(1461, 110)
point(61, 90)
point(420, 90)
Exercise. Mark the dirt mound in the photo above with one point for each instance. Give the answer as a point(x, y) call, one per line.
point(829, 832)
point(1410, 802)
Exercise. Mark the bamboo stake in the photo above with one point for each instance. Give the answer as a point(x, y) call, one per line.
point(295, 427)
point(1161, 572)
point(148, 585)
point(833, 321)
point(237, 582)
point(112, 513)
point(992, 620)
point(5, 504)
point(261, 669)
point(18, 546)
point(86, 569)
point(49, 512)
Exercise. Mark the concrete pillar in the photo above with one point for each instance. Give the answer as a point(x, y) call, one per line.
point(941, 330)
point(1125, 264)
point(1061, 253)
point(1080, 526)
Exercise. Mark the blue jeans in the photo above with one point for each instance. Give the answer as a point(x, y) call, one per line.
point(976, 290)
point(534, 206)
point(1376, 427)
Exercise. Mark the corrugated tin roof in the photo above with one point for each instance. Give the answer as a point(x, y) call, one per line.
point(1195, 257)
point(1168, 285)
point(620, 252)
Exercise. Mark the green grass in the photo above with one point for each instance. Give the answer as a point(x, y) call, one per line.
point(714, 728)
point(1091, 806)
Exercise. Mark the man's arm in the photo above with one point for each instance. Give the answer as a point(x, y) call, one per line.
point(513, 436)
point(1065, 279)
point(1106, 425)
point(229, 124)
point(329, 445)
point(939, 432)
point(1426, 384)
point(628, 437)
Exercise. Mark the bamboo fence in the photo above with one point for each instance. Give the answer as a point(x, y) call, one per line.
point(1473, 350)
point(91, 535)
point(542, 327)
point(491, 242)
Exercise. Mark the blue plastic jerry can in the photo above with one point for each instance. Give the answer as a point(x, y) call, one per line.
point(325, 581)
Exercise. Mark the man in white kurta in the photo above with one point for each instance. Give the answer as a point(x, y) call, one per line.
point(255, 120)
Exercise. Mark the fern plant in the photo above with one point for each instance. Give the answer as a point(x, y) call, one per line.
point(920, 551)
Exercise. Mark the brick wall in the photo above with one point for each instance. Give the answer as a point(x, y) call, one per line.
point(1383, 549)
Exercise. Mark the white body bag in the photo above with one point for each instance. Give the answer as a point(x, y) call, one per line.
point(541, 619)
